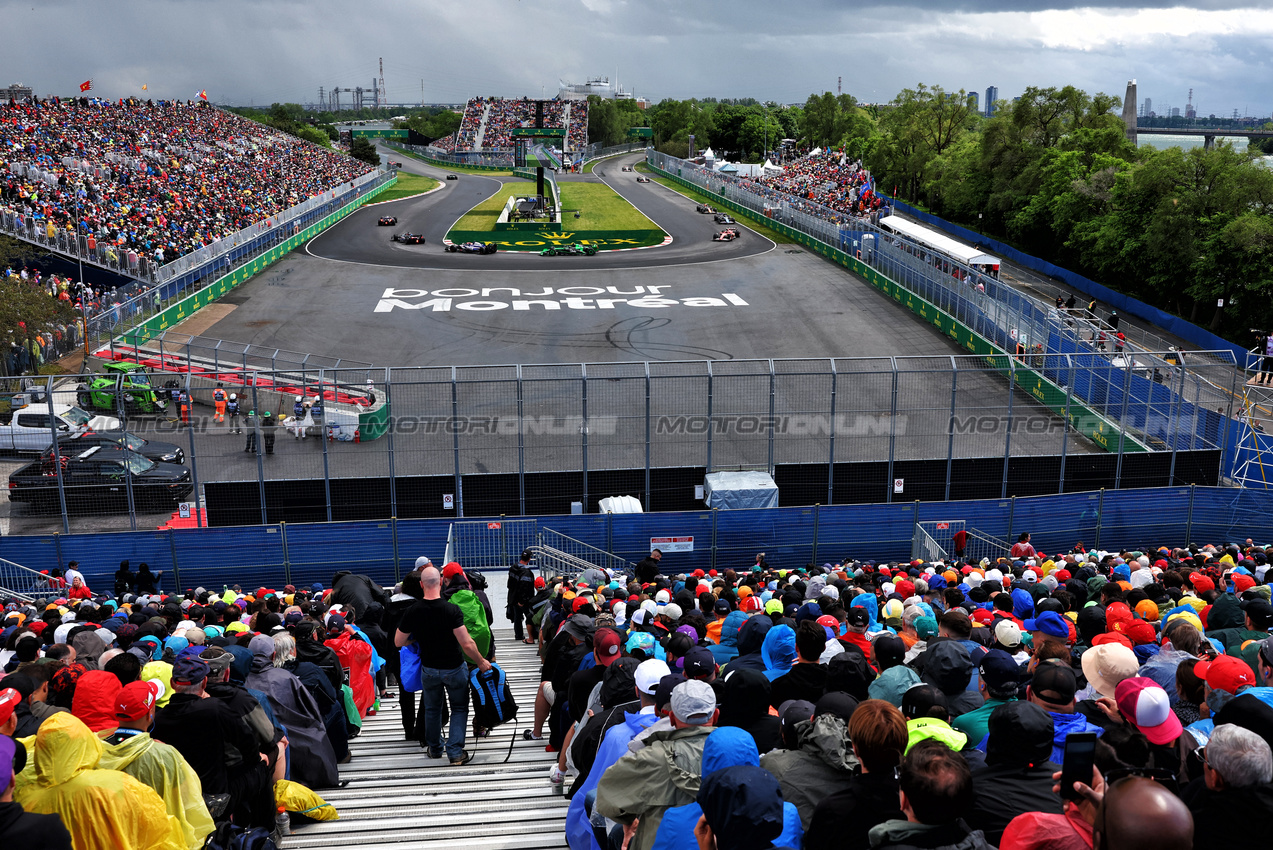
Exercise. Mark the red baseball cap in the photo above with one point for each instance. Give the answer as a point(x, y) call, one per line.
point(539, 582)
point(451, 570)
point(1225, 673)
point(137, 698)
point(578, 602)
point(605, 647)
point(9, 699)
point(1112, 637)
point(1140, 632)
point(1144, 703)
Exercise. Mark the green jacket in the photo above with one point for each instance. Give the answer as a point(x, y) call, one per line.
point(822, 766)
point(645, 784)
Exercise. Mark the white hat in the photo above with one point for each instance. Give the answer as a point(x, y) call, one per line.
point(1008, 633)
point(649, 673)
point(422, 562)
point(1029, 576)
point(672, 611)
point(663, 597)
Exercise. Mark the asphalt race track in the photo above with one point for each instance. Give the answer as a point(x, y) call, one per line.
point(359, 239)
point(352, 294)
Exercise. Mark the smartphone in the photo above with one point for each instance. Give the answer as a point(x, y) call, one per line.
point(1077, 763)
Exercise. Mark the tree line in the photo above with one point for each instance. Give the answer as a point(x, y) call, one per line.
point(1052, 173)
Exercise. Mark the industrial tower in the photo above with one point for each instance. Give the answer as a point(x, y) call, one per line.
point(381, 98)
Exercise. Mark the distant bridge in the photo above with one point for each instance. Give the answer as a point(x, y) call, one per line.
point(1208, 135)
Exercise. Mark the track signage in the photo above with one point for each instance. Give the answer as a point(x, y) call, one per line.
point(539, 299)
point(672, 544)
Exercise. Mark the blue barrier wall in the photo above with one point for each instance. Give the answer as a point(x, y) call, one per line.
point(274, 555)
point(1186, 330)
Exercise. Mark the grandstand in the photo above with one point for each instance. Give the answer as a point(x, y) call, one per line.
point(151, 181)
point(488, 123)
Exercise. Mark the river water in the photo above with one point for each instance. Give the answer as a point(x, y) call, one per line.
point(1187, 142)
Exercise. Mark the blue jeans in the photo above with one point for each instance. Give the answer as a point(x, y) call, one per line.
point(437, 687)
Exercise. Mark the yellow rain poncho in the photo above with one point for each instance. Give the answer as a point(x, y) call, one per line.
point(102, 809)
point(164, 769)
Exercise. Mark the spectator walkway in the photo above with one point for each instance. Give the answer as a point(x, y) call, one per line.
point(481, 129)
point(397, 796)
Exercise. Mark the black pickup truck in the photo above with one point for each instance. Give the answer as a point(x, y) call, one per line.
point(98, 478)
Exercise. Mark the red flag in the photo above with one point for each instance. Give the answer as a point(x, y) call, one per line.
point(86, 85)
point(203, 94)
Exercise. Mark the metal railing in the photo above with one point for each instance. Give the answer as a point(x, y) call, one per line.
point(581, 555)
point(25, 582)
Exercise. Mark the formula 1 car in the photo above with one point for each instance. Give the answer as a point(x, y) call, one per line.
point(471, 248)
point(409, 238)
point(722, 218)
point(387, 221)
point(729, 234)
point(575, 250)
point(643, 179)
point(393, 164)
point(706, 210)
point(627, 168)
point(453, 177)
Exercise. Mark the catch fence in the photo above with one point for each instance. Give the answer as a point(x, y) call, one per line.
point(552, 439)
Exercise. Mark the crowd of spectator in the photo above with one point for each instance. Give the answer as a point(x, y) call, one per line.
point(506, 113)
point(152, 180)
point(914, 705)
point(857, 705)
point(828, 179)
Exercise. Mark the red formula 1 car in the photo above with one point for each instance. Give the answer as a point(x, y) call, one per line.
point(471, 248)
point(409, 238)
point(729, 234)
point(387, 221)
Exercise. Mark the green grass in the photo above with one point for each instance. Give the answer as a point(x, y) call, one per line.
point(406, 186)
point(601, 209)
point(753, 221)
point(587, 169)
point(483, 216)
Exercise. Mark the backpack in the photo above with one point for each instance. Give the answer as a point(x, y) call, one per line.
point(474, 619)
point(492, 703)
point(492, 699)
point(477, 581)
point(230, 837)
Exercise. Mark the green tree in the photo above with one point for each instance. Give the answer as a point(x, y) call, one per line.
point(360, 148)
point(25, 309)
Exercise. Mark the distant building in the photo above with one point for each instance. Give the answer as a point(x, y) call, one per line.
point(1149, 108)
point(1175, 112)
point(974, 101)
point(992, 94)
point(17, 91)
point(600, 86)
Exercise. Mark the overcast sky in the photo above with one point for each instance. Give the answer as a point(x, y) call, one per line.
point(260, 51)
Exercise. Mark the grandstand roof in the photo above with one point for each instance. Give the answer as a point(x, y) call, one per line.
point(937, 241)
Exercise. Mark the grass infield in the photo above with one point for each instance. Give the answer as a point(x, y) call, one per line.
point(406, 186)
point(600, 208)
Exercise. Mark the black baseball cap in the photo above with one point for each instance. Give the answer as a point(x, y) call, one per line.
point(1054, 682)
point(1260, 612)
point(889, 650)
point(858, 617)
point(699, 663)
point(722, 606)
point(663, 692)
point(999, 671)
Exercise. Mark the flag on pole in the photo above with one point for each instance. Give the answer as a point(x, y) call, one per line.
point(143, 86)
point(203, 94)
point(86, 85)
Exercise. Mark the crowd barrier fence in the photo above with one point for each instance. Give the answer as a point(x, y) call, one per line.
point(300, 554)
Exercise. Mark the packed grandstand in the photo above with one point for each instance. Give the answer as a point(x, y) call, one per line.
point(768, 707)
point(829, 179)
point(156, 179)
point(488, 122)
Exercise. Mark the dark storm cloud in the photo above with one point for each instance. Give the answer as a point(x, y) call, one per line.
point(261, 51)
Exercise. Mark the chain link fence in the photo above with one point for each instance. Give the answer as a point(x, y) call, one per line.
point(490, 440)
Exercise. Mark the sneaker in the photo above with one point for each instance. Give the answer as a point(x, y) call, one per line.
point(550, 749)
point(555, 775)
point(465, 758)
point(433, 754)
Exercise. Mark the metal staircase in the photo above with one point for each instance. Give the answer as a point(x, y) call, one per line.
point(397, 797)
point(481, 127)
point(23, 582)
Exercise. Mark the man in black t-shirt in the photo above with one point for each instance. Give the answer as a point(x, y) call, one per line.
point(436, 628)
